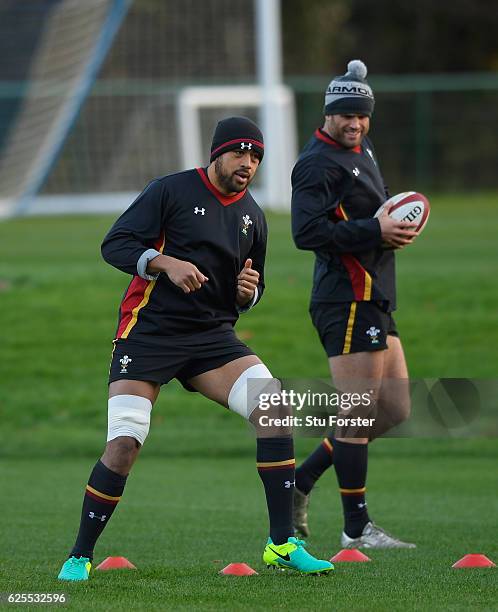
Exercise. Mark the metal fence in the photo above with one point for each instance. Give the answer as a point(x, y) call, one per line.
point(431, 132)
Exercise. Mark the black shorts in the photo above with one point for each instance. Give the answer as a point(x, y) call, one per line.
point(159, 359)
point(352, 327)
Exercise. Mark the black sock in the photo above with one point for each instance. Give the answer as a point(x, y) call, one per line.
point(350, 462)
point(276, 468)
point(102, 495)
point(314, 466)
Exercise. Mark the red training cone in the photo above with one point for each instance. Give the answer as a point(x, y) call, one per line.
point(350, 555)
point(115, 563)
point(238, 569)
point(474, 561)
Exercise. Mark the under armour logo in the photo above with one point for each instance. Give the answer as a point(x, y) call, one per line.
point(243, 145)
point(101, 518)
point(360, 506)
point(198, 210)
point(288, 484)
point(356, 172)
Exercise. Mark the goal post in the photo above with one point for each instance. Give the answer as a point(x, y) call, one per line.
point(73, 43)
point(71, 142)
point(272, 99)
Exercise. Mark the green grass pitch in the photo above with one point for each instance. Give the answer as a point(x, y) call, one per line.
point(194, 502)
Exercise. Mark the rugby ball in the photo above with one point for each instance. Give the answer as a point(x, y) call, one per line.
point(408, 206)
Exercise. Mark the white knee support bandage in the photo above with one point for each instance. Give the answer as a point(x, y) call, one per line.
point(128, 415)
point(244, 398)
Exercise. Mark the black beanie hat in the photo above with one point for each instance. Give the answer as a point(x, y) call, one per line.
point(350, 93)
point(237, 133)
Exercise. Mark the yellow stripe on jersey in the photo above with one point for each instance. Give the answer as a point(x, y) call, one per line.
point(137, 309)
point(349, 329)
point(144, 302)
point(367, 295)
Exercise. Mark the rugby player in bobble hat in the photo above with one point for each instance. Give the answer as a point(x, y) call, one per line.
point(337, 188)
point(195, 245)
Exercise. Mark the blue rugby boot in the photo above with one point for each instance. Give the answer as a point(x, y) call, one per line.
point(292, 555)
point(75, 569)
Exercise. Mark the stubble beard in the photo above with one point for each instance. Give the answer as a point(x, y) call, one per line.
point(227, 180)
point(343, 140)
point(339, 135)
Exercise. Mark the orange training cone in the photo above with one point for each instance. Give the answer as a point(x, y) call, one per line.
point(115, 563)
point(238, 569)
point(474, 561)
point(349, 555)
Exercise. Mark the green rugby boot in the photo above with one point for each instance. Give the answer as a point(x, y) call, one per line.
point(75, 569)
point(292, 555)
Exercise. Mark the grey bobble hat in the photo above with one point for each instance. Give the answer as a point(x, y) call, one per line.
point(350, 93)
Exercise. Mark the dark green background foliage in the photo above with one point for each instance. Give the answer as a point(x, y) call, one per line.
point(321, 36)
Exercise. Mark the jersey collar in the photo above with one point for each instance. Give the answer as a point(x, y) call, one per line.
point(321, 135)
point(222, 198)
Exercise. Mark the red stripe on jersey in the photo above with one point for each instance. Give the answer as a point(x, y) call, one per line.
point(321, 135)
point(339, 213)
point(135, 294)
point(223, 199)
point(133, 297)
point(357, 275)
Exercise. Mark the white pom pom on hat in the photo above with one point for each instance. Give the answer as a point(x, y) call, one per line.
point(357, 69)
point(350, 93)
